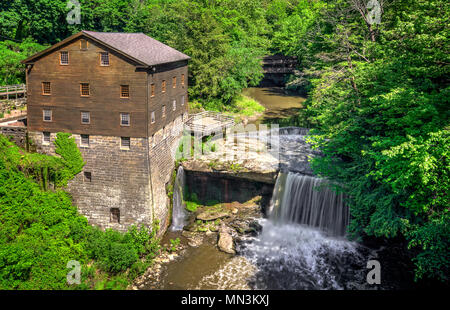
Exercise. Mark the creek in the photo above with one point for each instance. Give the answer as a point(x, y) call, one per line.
point(302, 243)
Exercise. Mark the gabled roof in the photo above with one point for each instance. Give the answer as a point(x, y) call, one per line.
point(135, 46)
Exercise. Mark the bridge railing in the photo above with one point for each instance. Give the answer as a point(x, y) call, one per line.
point(13, 92)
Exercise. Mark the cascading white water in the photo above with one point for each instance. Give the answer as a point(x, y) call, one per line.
point(309, 200)
point(178, 211)
point(301, 245)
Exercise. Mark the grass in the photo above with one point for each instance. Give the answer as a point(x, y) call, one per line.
point(240, 107)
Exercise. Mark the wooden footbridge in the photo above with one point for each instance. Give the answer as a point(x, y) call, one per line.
point(205, 123)
point(16, 93)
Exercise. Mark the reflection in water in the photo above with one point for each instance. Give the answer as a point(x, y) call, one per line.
point(278, 104)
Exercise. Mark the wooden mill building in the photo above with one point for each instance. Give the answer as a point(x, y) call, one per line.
point(123, 96)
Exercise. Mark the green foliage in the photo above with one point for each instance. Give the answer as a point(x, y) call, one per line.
point(11, 54)
point(42, 231)
point(174, 243)
point(379, 102)
point(192, 202)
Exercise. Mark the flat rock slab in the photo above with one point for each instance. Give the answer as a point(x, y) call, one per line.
point(211, 216)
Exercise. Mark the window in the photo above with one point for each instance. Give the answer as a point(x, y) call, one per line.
point(104, 59)
point(182, 79)
point(124, 91)
point(164, 132)
point(85, 140)
point(85, 89)
point(64, 58)
point(174, 82)
point(45, 138)
point(83, 45)
point(47, 115)
point(153, 90)
point(163, 86)
point(85, 117)
point(125, 143)
point(153, 117)
point(115, 215)
point(46, 88)
point(153, 140)
point(182, 100)
point(87, 176)
point(163, 111)
point(174, 103)
point(124, 119)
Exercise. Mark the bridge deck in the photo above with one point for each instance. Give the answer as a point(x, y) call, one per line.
point(207, 122)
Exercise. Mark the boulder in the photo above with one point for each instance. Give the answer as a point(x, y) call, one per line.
point(225, 243)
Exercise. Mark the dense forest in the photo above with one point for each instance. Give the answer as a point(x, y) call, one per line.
point(377, 101)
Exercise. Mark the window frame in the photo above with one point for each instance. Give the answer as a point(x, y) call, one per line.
point(81, 89)
point(81, 45)
point(89, 117)
point(61, 58)
point(43, 115)
point(45, 134)
point(163, 86)
point(174, 82)
point(44, 88)
point(83, 136)
point(122, 114)
point(182, 80)
point(152, 117)
point(102, 64)
point(125, 147)
point(122, 87)
point(152, 90)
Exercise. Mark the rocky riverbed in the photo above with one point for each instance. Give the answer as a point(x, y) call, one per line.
point(206, 251)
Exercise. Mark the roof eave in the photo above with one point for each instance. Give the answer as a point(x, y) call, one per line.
point(30, 60)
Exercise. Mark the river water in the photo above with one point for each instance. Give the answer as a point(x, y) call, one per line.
point(277, 102)
point(300, 247)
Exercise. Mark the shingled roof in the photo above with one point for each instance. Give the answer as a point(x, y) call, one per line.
point(137, 46)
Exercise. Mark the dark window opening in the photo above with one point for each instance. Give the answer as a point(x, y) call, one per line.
point(46, 138)
point(84, 140)
point(125, 143)
point(115, 215)
point(88, 176)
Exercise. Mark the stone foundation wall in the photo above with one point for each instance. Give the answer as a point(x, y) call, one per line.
point(16, 134)
point(134, 180)
point(162, 165)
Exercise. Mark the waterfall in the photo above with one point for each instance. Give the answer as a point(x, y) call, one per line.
point(178, 211)
point(308, 200)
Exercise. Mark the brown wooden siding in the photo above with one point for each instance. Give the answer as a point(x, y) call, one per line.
point(104, 102)
point(167, 72)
